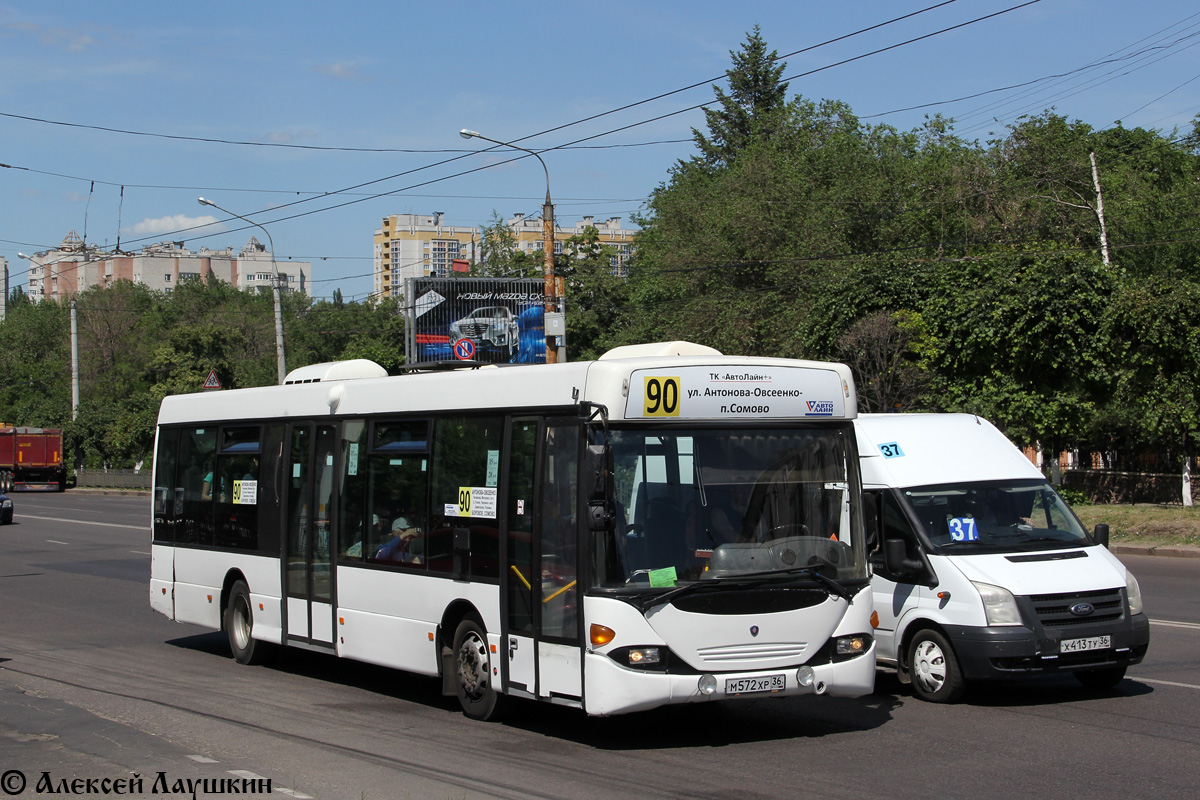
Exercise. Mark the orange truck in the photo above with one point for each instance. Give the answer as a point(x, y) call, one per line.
point(31, 459)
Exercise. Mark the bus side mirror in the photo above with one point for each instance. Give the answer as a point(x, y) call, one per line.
point(597, 466)
point(1100, 535)
point(895, 558)
point(597, 470)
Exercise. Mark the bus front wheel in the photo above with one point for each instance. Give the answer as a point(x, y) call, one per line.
point(239, 625)
point(473, 673)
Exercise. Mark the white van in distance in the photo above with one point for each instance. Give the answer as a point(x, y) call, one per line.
point(980, 570)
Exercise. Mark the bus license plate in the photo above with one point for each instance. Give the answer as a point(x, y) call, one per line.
point(762, 683)
point(1081, 645)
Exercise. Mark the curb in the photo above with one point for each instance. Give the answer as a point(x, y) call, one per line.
point(1165, 550)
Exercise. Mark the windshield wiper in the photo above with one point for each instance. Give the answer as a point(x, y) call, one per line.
point(644, 604)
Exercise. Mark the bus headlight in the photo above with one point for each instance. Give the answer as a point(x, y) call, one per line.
point(998, 604)
point(643, 656)
point(851, 645)
point(707, 684)
point(805, 676)
point(1134, 592)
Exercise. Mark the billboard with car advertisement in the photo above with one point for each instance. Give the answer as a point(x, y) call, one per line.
point(493, 320)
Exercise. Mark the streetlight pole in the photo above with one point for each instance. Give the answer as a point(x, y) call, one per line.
point(280, 362)
point(553, 296)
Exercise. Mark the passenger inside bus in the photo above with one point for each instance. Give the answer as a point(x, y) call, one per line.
point(406, 545)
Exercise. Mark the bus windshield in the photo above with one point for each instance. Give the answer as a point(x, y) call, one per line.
point(995, 516)
point(710, 503)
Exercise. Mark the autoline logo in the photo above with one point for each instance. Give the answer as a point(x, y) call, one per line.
point(819, 408)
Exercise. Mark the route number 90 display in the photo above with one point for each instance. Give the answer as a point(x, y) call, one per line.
point(661, 396)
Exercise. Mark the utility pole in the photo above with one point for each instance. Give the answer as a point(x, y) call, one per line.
point(74, 360)
point(555, 289)
point(280, 361)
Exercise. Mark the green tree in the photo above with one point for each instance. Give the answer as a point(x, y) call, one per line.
point(595, 293)
point(749, 111)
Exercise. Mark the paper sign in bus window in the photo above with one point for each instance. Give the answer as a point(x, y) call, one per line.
point(963, 529)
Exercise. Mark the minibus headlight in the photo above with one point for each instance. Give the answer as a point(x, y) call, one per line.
point(1134, 593)
point(707, 684)
point(998, 604)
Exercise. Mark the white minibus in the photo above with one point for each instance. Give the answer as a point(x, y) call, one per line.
point(980, 570)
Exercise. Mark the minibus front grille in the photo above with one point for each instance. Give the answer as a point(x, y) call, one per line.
point(1054, 610)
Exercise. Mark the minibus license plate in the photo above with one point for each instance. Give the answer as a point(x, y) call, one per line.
point(764, 683)
point(1080, 645)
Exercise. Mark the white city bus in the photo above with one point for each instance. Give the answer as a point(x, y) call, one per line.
point(663, 525)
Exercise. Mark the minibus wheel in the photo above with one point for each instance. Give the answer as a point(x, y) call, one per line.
point(473, 680)
point(934, 669)
point(1105, 678)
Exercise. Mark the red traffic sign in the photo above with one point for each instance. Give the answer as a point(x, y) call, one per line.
point(211, 382)
point(464, 349)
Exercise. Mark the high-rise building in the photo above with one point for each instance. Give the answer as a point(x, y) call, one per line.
point(418, 246)
point(74, 266)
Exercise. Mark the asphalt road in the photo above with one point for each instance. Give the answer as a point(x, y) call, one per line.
point(94, 685)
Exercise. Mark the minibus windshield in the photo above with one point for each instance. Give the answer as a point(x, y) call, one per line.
point(1010, 515)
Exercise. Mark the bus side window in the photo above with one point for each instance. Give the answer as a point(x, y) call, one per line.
point(394, 513)
point(352, 529)
point(197, 461)
point(466, 470)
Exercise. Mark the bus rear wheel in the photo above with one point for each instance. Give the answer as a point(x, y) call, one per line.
point(473, 672)
point(239, 626)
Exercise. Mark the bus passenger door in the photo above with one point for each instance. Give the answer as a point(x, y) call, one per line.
point(541, 633)
point(308, 577)
point(560, 654)
point(517, 580)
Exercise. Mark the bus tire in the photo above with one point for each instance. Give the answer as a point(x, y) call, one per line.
point(239, 626)
point(933, 668)
point(473, 672)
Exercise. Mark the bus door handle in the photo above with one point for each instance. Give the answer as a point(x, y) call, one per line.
point(512, 647)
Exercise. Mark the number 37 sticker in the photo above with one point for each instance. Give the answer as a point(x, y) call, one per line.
point(661, 396)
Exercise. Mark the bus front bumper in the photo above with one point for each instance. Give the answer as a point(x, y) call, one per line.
point(612, 689)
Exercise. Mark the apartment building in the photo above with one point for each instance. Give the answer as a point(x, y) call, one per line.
point(74, 267)
point(4, 287)
point(419, 246)
point(529, 236)
point(423, 245)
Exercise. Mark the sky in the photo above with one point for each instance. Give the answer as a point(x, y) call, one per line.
point(316, 120)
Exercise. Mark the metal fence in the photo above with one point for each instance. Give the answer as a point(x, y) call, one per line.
point(112, 479)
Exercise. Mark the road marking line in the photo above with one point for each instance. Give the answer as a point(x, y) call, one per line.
point(141, 552)
point(1173, 624)
point(1165, 683)
point(86, 522)
point(55, 541)
point(203, 759)
point(253, 776)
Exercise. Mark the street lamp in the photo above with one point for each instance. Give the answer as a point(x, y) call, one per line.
point(553, 285)
point(280, 363)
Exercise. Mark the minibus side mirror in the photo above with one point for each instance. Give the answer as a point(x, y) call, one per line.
point(895, 558)
point(871, 519)
point(1100, 535)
